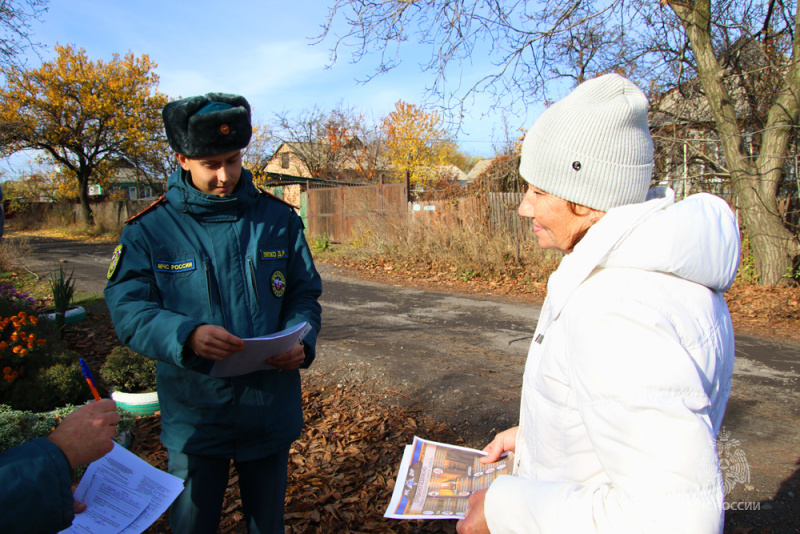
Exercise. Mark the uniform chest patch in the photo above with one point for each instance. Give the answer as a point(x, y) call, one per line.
point(278, 254)
point(175, 266)
point(278, 283)
point(115, 261)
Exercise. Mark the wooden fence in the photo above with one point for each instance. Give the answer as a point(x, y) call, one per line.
point(337, 211)
point(499, 210)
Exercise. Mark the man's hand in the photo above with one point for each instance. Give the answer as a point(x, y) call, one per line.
point(474, 521)
point(85, 434)
point(292, 359)
point(78, 507)
point(213, 342)
point(502, 442)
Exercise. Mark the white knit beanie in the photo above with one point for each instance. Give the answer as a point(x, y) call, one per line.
point(592, 147)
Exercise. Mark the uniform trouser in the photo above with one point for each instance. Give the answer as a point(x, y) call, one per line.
point(262, 484)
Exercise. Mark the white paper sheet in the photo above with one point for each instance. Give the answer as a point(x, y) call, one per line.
point(258, 349)
point(123, 494)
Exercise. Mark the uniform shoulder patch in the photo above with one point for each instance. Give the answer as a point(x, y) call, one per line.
point(158, 201)
point(115, 261)
point(267, 193)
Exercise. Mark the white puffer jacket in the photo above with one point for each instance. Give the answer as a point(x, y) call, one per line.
point(627, 379)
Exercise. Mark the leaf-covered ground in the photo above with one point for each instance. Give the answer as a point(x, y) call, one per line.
point(342, 468)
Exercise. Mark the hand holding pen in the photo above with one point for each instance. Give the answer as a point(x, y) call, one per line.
point(87, 374)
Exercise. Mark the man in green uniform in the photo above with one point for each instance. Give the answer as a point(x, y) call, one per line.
point(215, 261)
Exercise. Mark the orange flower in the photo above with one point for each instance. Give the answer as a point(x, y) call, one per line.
point(31, 345)
point(41, 341)
point(33, 320)
point(14, 336)
point(6, 370)
point(3, 345)
point(22, 315)
point(9, 378)
point(16, 350)
point(15, 374)
point(23, 352)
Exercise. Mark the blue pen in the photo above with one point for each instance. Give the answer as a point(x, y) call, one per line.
point(87, 374)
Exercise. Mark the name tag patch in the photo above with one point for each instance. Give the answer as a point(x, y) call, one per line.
point(175, 266)
point(278, 254)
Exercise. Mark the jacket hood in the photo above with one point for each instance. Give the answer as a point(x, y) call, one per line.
point(696, 239)
point(184, 197)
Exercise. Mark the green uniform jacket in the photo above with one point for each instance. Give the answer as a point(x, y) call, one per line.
point(241, 262)
point(35, 492)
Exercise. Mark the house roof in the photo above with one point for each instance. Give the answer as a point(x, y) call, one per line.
point(479, 168)
point(687, 103)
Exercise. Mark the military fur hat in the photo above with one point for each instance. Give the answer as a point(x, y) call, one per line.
point(206, 125)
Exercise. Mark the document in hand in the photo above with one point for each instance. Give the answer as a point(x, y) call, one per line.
point(435, 480)
point(258, 349)
point(123, 494)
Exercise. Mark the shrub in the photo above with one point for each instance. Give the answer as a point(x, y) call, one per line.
point(19, 426)
point(12, 250)
point(47, 381)
point(464, 244)
point(129, 371)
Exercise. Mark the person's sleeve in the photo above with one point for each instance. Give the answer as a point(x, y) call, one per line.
point(642, 401)
point(303, 290)
point(135, 304)
point(35, 488)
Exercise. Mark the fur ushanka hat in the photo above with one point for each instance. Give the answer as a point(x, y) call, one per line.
point(207, 125)
point(592, 147)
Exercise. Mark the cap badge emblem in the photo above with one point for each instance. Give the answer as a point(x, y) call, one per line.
point(225, 129)
point(576, 165)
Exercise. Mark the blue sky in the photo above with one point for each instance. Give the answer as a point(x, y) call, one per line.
point(260, 49)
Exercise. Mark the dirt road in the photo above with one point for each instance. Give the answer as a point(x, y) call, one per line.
point(460, 359)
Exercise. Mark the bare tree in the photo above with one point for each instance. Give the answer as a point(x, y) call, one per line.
point(535, 46)
point(16, 17)
point(333, 145)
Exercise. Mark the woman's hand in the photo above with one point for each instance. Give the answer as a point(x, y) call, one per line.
point(474, 521)
point(502, 442)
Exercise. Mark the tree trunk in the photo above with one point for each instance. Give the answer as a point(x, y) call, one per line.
point(83, 196)
point(755, 183)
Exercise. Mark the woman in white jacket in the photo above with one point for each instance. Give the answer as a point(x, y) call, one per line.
point(629, 372)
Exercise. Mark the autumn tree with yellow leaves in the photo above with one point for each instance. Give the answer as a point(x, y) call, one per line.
point(82, 114)
point(256, 155)
point(417, 142)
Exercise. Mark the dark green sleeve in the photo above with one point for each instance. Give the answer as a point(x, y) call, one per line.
point(35, 488)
